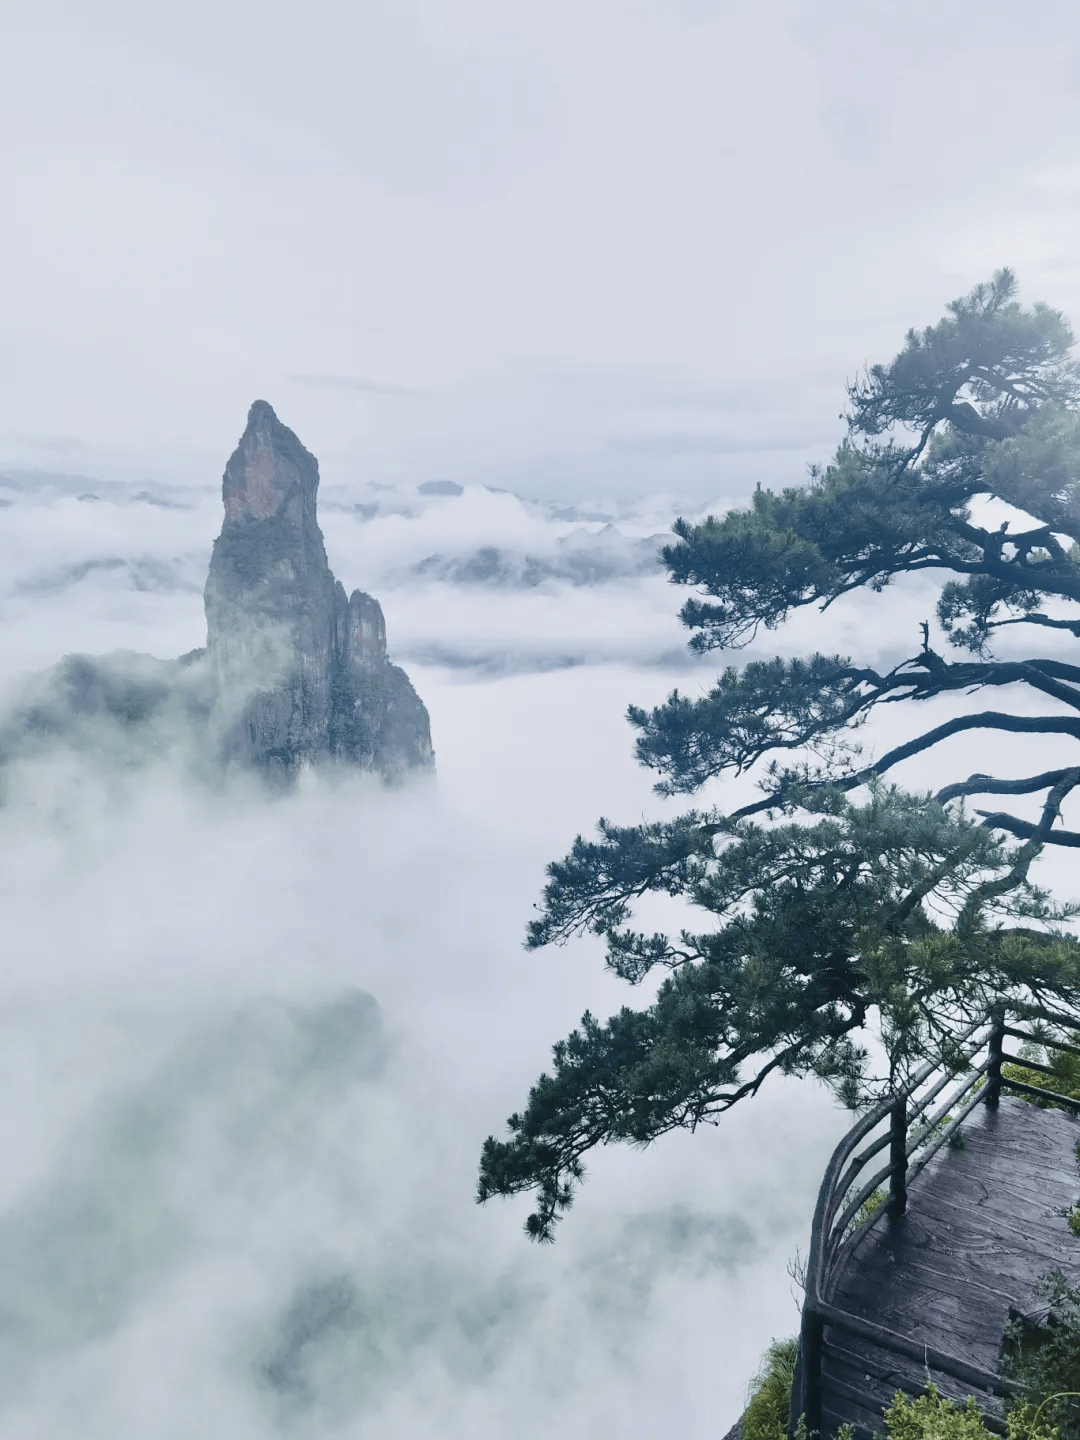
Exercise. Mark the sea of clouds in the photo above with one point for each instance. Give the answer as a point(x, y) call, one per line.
point(250, 1048)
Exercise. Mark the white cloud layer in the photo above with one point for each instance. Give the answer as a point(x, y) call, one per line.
point(251, 1048)
point(238, 1191)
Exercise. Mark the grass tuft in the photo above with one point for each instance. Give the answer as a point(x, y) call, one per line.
point(769, 1393)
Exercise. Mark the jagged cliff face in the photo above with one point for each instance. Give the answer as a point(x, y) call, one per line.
point(294, 672)
point(302, 671)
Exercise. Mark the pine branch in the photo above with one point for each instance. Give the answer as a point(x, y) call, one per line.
point(1025, 830)
point(990, 785)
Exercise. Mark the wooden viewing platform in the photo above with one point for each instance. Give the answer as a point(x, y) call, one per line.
point(983, 1223)
point(922, 1288)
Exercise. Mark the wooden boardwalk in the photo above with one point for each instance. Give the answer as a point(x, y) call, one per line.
point(983, 1223)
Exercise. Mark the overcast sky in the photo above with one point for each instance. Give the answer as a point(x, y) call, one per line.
point(589, 245)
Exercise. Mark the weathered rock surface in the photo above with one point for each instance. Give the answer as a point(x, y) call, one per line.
point(293, 673)
point(303, 668)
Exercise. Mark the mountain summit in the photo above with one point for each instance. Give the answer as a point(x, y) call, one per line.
point(294, 672)
point(304, 667)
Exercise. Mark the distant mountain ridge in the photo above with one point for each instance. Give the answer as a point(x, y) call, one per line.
point(581, 558)
point(294, 672)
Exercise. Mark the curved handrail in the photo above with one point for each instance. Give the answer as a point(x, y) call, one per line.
point(828, 1231)
point(832, 1239)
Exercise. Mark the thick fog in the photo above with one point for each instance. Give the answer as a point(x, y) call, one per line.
point(530, 283)
point(251, 1047)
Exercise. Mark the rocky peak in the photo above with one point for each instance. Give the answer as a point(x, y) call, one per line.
point(270, 472)
point(294, 672)
point(269, 584)
point(305, 668)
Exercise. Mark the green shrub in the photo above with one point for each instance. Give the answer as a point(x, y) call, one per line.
point(1065, 1079)
point(1045, 1361)
point(931, 1418)
point(769, 1393)
point(870, 1206)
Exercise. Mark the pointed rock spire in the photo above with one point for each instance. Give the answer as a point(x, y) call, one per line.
point(303, 670)
point(294, 672)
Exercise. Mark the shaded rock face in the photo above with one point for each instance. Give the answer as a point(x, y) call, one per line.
point(303, 668)
point(294, 671)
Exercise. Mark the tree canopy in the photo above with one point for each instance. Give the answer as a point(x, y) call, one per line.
point(835, 908)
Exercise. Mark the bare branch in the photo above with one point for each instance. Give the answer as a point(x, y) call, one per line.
point(1025, 830)
point(1036, 835)
point(990, 785)
point(1073, 626)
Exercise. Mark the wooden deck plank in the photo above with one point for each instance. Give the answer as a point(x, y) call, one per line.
point(859, 1390)
point(891, 1371)
point(983, 1224)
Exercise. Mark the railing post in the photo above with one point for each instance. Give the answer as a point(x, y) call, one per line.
point(806, 1382)
point(898, 1155)
point(993, 1069)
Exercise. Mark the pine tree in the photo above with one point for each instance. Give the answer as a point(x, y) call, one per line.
point(836, 900)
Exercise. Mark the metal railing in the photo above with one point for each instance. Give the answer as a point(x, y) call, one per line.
point(845, 1209)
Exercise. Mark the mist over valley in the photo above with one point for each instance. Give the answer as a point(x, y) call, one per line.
point(254, 1041)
